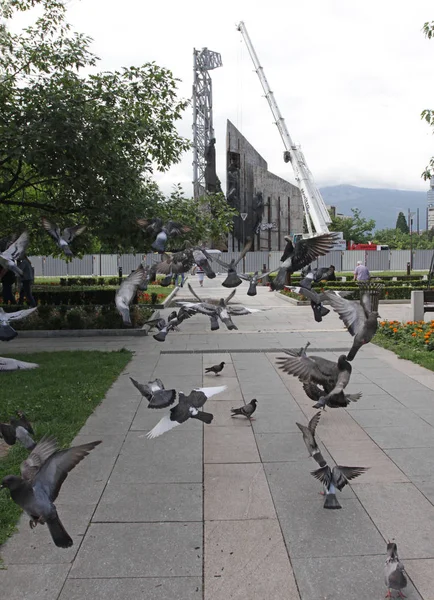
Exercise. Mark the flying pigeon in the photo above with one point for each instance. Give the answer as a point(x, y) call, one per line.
point(305, 289)
point(394, 576)
point(162, 231)
point(253, 281)
point(245, 411)
point(320, 274)
point(155, 393)
point(42, 475)
point(7, 332)
point(336, 479)
point(62, 240)
point(18, 429)
point(309, 438)
point(232, 280)
point(14, 253)
point(176, 263)
point(336, 397)
point(126, 293)
point(315, 393)
point(360, 320)
point(171, 324)
point(217, 369)
point(187, 408)
point(11, 364)
point(303, 253)
point(214, 321)
point(202, 258)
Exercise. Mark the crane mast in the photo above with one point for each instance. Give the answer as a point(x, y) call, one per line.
point(314, 207)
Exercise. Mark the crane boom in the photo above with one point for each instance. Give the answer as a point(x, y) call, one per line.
point(314, 206)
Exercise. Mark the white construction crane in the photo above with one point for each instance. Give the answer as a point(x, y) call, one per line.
point(315, 209)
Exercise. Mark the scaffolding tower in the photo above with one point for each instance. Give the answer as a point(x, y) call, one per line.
point(204, 168)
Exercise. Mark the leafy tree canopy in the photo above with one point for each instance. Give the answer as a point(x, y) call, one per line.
point(401, 223)
point(76, 147)
point(428, 114)
point(355, 228)
point(398, 240)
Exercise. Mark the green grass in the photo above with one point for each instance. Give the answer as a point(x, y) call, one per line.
point(419, 356)
point(57, 397)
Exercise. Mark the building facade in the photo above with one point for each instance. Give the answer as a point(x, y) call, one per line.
point(272, 206)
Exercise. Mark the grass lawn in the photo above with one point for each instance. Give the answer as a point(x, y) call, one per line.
point(57, 397)
point(419, 356)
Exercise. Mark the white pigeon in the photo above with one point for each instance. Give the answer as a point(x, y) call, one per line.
point(127, 291)
point(11, 364)
point(6, 331)
point(62, 240)
point(14, 253)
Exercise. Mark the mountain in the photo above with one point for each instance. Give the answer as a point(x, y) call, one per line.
point(381, 205)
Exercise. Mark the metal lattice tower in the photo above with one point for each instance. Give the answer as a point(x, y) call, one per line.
point(203, 132)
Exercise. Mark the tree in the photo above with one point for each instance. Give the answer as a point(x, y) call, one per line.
point(80, 147)
point(401, 223)
point(355, 228)
point(428, 114)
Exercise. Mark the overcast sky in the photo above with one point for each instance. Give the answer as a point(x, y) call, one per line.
point(350, 77)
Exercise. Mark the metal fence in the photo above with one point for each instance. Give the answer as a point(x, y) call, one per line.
point(108, 264)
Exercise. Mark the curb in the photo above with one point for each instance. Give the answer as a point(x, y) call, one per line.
point(325, 303)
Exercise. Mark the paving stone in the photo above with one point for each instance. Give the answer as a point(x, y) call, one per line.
point(402, 437)
point(164, 588)
point(32, 582)
point(416, 463)
point(227, 445)
point(421, 572)
point(400, 417)
point(140, 550)
point(221, 409)
point(427, 414)
point(380, 402)
point(281, 447)
point(402, 385)
point(138, 502)
point(237, 491)
point(247, 559)
point(388, 506)
point(282, 420)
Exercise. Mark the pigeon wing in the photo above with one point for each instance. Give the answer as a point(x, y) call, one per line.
point(307, 250)
point(289, 249)
point(143, 388)
point(343, 475)
point(129, 287)
point(314, 422)
point(51, 228)
point(303, 367)
point(166, 424)
point(69, 233)
point(350, 312)
point(312, 391)
point(30, 467)
point(191, 290)
point(174, 228)
point(244, 252)
point(19, 314)
point(324, 474)
point(231, 295)
point(366, 304)
point(162, 399)
point(18, 248)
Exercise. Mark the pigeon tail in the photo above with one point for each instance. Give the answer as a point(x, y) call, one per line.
point(252, 290)
point(160, 336)
point(67, 251)
point(324, 311)
point(7, 333)
point(59, 534)
point(236, 411)
point(231, 281)
point(321, 403)
point(204, 417)
point(279, 281)
point(331, 501)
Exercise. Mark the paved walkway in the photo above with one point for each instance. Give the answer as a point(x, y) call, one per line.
point(230, 511)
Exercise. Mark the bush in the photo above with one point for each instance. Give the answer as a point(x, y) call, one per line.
point(416, 334)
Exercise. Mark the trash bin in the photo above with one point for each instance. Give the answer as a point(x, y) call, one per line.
point(375, 291)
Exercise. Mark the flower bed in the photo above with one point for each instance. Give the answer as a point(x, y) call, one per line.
point(414, 334)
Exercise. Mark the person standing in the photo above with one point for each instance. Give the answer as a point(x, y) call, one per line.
point(361, 273)
point(26, 281)
point(200, 275)
point(176, 279)
point(8, 279)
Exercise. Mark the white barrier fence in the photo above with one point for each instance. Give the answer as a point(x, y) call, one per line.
point(108, 264)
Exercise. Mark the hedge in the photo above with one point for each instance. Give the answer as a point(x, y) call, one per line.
point(388, 292)
point(87, 296)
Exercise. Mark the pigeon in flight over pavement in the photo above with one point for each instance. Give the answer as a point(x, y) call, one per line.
point(42, 475)
point(305, 289)
point(18, 429)
point(360, 320)
point(232, 280)
point(14, 253)
point(245, 411)
point(161, 231)
point(187, 408)
point(394, 575)
point(315, 393)
point(253, 281)
point(217, 369)
point(173, 320)
point(309, 438)
point(62, 239)
point(155, 393)
point(202, 258)
point(336, 479)
point(7, 332)
point(303, 253)
point(127, 292)
point(336, 397)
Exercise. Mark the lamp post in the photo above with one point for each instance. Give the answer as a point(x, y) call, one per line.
point(244, 217)
point(411, 215)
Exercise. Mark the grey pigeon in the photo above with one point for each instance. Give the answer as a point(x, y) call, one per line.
point(214, 321)
point(42, 475)
point(127, 292)
point(18, 429)
point(155, 393)
point(304, 289)
point(309, 439)
point(394, 576)
point(62, 239)
point(303, 253)
point(336, 397)
point(176, 263)
point(315, 393)
point(232, 280)
point(361, 322)
point(7, 332)
point(202, 258)
point(336, 479)
point(187, 408)
point(253, 281)
point(245, 411)
point(14, 253)
point(11, 364)
point(173, 320)
point(216, 369)
point(162, 231)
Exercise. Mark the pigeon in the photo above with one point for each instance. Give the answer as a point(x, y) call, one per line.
point(336, 479)
point(361, 322)
point(42, 475)
point(126, 293)
point(171, 324)
point(394, 576)
point(314, 392)
point(18, 429)
point(176, 263)
point(336, 397)
point(232, 280)
point(62, 240)
point(7, 332)
point(162, 231)
point(303, 253)
point(320, 274)
point(245, 411)
point(214, 321)
point(14, 253)
point(217, 369)
point(304, 289)
point(155, 393)
point(253, 281)
point(201, 258)
point(11, 364)
point(187, 408)
point(309, 438)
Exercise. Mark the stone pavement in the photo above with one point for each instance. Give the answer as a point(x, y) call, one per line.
point(230, 510)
